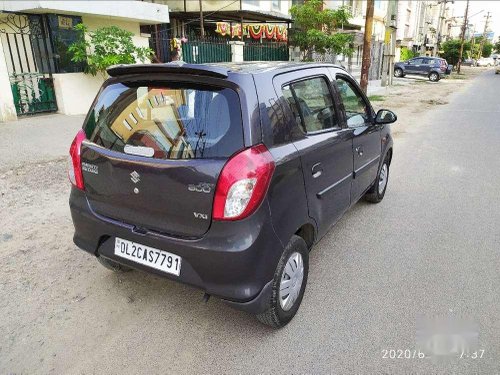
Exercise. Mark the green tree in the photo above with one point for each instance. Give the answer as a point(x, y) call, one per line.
point(316, 29)
point(104, 47)
point(487, 49)
point(497, 45)
point(451, 50)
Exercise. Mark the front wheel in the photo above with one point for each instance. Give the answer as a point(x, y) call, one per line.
point(398, 72)
point(433, 77)
point(377, 191)
point(289, 284)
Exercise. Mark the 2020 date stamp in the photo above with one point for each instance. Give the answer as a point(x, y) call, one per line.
point(402, 354)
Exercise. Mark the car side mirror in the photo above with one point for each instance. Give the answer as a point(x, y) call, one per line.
point(384, 116)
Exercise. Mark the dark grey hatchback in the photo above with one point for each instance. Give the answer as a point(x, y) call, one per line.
point(224, 176)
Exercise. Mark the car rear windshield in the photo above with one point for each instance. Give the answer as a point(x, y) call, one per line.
point(174, 121)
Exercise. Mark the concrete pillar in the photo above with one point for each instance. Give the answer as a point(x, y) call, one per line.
point(236, 51)
point(7, 108)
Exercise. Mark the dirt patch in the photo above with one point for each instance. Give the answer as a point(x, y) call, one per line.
point(410, 100)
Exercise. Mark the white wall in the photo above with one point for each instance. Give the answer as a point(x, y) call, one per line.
point(75, 92)
point(138, 11)
point(7, 108)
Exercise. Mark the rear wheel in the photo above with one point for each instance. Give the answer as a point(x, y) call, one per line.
point(112, 265)
point(377, 191)
point(289, 284)
point(398, 72)
point(433, 77)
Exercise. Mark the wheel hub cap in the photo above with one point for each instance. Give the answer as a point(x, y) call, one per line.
point(382, 180)
point(291, 281)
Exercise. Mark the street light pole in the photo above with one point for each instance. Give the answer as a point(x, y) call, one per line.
point(463, 37)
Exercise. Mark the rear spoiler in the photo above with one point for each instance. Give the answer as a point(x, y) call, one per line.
point(173, 67)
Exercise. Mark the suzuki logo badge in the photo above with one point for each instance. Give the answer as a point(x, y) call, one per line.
point(135, 177)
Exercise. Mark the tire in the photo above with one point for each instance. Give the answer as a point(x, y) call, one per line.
point(433, 77)
point(377, 191)
point(276, 315)
point(398, 72)
point(112, 265)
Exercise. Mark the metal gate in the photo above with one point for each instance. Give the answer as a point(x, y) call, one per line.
point(207, 50)
point(265, 52)
point(29, 61)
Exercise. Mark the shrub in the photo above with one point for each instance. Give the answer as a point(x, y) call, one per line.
point(106, 46)
point(406, 54)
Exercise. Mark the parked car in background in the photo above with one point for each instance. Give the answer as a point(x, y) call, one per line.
point(469, 62)
point(485, 61)
point(434, 68)
point(185, 172)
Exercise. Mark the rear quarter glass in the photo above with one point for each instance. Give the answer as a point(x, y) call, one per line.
point(167, 121)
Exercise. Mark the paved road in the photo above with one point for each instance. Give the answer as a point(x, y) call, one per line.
point(36, 139)
point(431, 249)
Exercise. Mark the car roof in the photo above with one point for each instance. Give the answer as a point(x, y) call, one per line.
point(221, 70)
point(257, 67)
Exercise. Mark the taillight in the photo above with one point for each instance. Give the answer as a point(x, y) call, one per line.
point(75, 163)
point(243, 183)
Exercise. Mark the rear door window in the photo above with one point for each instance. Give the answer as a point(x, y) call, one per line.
point(416, 61)
point(175, 121)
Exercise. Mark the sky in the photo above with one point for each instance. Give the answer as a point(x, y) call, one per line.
point(475, 6)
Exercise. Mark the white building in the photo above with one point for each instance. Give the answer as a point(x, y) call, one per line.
point(36, 72)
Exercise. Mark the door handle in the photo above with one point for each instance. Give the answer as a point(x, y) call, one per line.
point(359, 150)
point(316, 170)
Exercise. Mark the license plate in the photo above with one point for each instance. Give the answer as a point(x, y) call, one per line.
point(148, 256)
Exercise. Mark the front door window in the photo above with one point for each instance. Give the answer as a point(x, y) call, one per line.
point(312, 104)
point(356, 109)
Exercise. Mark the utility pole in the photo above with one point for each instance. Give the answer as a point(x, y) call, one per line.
point(423, 46)
point(440, 26)
point(480, 54)
point(365, 65)
point(464, 26)
point(202, 26)
point(473, 40)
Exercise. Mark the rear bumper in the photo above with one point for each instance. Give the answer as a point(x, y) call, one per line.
point(235, 261)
